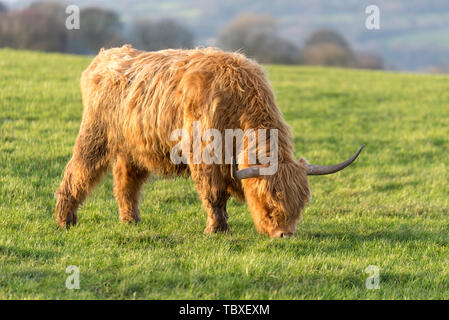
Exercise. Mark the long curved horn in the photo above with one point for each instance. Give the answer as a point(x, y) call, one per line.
point(251, 172)
point(313, 170)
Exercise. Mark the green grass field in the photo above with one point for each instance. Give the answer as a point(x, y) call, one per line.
point(389, 209)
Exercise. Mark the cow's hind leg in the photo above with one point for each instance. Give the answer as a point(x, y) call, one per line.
point(128, 181)
point(86, 168)
point(213, 193)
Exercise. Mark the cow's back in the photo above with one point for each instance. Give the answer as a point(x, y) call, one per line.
point(142, 97)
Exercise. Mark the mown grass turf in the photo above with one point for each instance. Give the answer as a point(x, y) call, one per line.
point(389, 209)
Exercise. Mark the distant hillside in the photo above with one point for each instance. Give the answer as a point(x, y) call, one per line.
point(413, 33)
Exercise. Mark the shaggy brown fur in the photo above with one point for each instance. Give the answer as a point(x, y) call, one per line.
point(133, 100)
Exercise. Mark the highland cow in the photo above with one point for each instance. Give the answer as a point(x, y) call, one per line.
point(133, 100)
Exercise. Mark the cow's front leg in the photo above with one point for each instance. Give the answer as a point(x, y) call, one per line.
point(212, 189)
point(216, 217)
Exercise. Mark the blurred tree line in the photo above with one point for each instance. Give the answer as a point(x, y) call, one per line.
point(258, 37)
point(41, 26)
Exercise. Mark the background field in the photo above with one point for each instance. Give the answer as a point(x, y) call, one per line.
point(389, 209)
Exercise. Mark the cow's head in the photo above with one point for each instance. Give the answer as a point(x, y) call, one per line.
point(276, 201)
